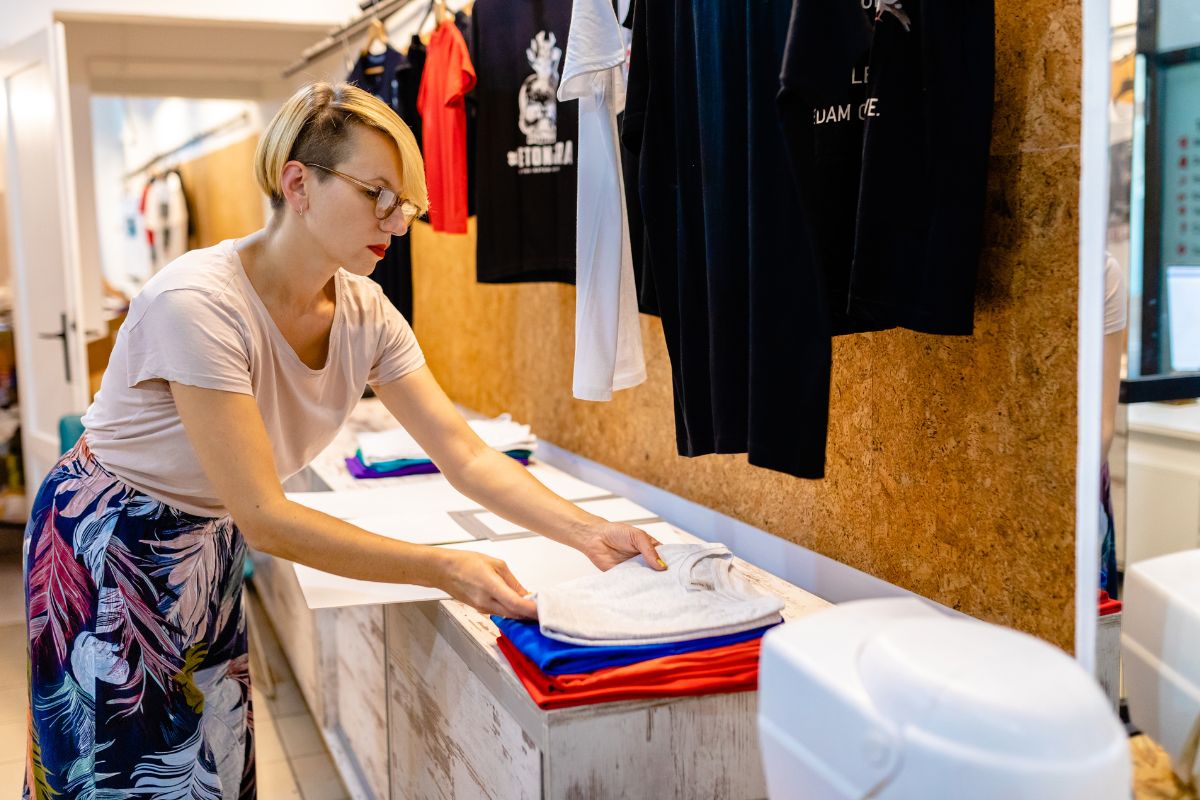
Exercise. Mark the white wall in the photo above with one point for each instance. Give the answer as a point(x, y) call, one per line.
point(1123, 12)
point(26, 17)
point(128, 132)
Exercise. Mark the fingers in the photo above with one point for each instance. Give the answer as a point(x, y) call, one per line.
point(516, 607)
point(511, 579)
point(647, 546)
point(506, 595)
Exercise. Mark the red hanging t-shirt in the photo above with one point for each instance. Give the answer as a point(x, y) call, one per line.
point(449, 74)
point(732, 668)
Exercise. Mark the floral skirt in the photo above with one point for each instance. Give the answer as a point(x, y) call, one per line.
point(139, 676)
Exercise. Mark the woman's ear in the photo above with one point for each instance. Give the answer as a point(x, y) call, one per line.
point(294, 185)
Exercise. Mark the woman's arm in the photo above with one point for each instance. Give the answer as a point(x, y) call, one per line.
point(499, 483)
point(228, 435)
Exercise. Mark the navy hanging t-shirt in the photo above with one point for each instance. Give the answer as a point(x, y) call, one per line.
point(525, 171)
point(394, 78)
point(741, 300)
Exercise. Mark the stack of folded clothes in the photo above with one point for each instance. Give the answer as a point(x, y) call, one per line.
point(634, 632)
point(391, 453)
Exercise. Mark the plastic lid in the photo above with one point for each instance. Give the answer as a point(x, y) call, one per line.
point(986, 688)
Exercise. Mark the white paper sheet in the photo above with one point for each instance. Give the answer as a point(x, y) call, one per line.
point(614, 509)
point(536, 562)
point(434, 527)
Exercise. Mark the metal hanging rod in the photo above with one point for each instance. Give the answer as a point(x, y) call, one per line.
point(379, 11)
point(240, 119)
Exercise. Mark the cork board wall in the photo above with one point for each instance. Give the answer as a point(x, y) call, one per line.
point(951, 460)
point(226, 201)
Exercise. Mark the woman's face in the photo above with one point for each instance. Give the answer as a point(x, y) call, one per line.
point(342, 216)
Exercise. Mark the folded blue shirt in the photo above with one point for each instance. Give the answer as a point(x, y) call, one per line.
point(560, 658)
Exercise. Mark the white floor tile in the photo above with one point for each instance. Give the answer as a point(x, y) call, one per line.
point(275, 780)
point(13, 702)
point(12, 778)
point(268, 747)
point(300, 736)
point(288, 701)
point(12, 591)
point(318, 778)
point(14, 739)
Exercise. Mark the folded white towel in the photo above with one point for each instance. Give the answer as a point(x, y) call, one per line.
point(699, 595)
point(395, 444)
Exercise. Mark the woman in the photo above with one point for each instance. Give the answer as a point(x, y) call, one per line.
point(236, 365)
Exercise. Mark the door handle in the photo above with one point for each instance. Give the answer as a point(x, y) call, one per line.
point(62, 334)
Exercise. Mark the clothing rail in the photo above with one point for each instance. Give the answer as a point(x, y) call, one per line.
point(379, 11)
point(240, 119)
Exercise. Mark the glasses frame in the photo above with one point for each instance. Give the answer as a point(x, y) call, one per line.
point(408, 209)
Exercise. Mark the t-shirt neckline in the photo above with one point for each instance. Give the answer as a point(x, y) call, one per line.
point(276, 334)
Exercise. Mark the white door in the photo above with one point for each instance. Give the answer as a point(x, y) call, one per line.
point(52, 375)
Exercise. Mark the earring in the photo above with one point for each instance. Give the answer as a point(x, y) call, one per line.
point(300, 211)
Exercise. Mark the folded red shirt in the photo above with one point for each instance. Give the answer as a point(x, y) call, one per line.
point(733, 668)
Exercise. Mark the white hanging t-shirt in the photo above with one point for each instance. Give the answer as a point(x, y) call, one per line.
point(608, 337)
point(167, 216)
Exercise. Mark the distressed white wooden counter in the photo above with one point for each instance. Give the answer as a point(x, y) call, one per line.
point(456, 722)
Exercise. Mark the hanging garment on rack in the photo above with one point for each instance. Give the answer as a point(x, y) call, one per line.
point(642, 276)
point(464, 23)
point(167, 218)
point(608, 335)
point(135, 263)
point(449, 75)
point(395, 78)
point(824, 105)
point(743, 310)
point(894, 182)
point(525, 167)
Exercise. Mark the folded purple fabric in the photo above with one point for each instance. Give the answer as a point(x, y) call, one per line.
point(360, 470)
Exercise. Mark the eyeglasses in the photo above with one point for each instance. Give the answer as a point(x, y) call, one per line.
point(386, 201)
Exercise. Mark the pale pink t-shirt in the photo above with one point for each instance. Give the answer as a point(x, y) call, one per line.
point(200, 322)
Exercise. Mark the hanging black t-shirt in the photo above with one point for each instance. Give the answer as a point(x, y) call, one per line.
point(642, 277)
point(742, 304)
point(464, 23)
point(525, 171)
point(896, 102)
point(823, 106)
point(395, 78)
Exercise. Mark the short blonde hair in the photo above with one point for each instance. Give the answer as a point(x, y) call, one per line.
point(314, 126)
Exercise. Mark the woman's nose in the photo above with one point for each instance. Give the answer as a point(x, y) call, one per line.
point(394, 224)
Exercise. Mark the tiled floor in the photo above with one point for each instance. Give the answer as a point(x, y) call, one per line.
point(293, 763)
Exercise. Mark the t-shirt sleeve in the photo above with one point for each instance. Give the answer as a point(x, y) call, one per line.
point(397, 353)
point(461, 76)
point(594, 45)
point(187, 337)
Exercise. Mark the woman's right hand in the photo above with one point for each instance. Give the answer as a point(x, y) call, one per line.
point(484, 583)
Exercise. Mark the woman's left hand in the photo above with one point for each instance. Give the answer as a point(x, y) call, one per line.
point(609, 543)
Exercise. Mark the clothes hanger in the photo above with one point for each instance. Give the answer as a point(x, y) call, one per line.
point(377, 34)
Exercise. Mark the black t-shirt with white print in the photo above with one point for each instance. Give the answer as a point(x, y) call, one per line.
point(887, 106)
point(526, 141)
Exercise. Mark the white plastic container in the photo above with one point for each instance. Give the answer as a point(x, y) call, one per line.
point(1160, 643)
point(890, 699)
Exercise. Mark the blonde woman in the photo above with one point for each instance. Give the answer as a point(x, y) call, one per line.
point(236, 365)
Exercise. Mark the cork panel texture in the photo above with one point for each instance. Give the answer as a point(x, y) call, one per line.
point(225, 198)
point(951, 459)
